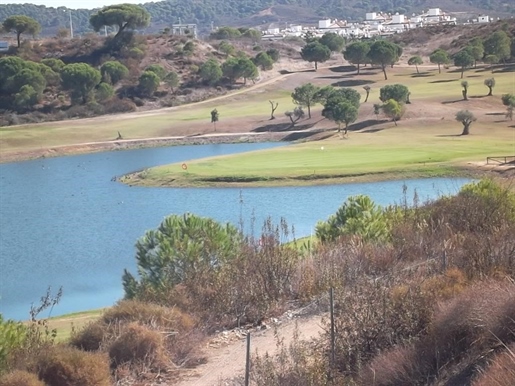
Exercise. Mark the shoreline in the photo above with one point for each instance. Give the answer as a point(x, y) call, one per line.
point(144, 143)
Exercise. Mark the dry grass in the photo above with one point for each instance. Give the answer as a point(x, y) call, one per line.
point(65, 366)
point(20, 378)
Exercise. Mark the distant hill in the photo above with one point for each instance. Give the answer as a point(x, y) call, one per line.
point(256, 12)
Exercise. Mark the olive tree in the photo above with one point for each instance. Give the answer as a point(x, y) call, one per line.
point(172, 80)
point(466, 118)
point(123, 16)
point(508, 100)
point(464, 92)
point(81, 79)
point(21, 24)
point(490, 83)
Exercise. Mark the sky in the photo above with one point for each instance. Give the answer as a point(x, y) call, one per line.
point(74, 4)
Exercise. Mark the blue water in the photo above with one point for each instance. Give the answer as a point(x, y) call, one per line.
point(63, 222)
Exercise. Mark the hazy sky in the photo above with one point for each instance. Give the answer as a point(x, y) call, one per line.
point(73, 3)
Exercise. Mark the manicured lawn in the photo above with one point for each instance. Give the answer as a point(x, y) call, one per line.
point(408, 149)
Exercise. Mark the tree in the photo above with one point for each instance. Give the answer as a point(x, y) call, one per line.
point(20, 24)
point(463, 59)
point(359, 215)
point(104, 92)
point(315, 52)
point(252, 34)
point(341, 112)
point(336, 106)
point(397, 92)
point(123, 16)
point(214, 117)
point(476, 51)
point(113, 72)
point(508, 100)
point(211, 72)
point(55, 64)
point(158, 70)
point(172, 79)
point(464, 92)
point(498, 44)
point(466, 118)
point(226, 48)
point(181, 250)
point(306, 96)
point(367, 90)
point(295, 115)
point(273, 106)
point(248, 69)
point(491, 60)
point(383, 53)
point(81, 79)
point(51, 77)
point(416, 61)
point(26, 97)
point(225, 33)
point(439, 57)
point(490, 83)
point(332, 41)
point(357, 53)
point(148, 83)
point(264, 61)
point(273, 53)
point(393, 109)
point(27, 76)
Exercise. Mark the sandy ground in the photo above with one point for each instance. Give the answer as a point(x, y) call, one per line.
point(226, 360)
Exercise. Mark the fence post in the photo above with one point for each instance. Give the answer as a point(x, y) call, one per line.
point(247, 362)
point(331, 304)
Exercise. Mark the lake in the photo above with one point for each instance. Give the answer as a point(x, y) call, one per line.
point(64, 222)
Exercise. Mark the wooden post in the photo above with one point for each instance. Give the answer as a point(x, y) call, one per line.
point(247, 362)
point(331, 303)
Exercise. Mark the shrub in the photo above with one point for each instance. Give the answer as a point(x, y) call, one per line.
point(65, 366)
point(149, 314)
point(138, 344)
point(20, 378)
point(501, 370)
point(157, 69)
point(89, 338)
point(116, 105)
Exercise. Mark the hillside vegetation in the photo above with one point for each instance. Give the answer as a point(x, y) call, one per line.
point(252, 13)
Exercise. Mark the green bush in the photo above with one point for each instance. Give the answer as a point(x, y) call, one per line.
point(12, 336)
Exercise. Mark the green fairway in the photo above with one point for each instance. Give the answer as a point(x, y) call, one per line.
point(413, 150)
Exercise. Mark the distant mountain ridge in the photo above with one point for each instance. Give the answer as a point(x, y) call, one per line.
point(254, 12)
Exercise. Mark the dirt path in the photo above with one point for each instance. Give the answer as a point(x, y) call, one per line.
point(227, 361)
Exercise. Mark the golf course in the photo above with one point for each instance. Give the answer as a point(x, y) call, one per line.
point(426, 141)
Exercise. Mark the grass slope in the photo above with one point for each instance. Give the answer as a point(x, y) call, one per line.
point(426, 142)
